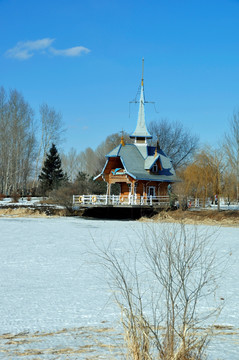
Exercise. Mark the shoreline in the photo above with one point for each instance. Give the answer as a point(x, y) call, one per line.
point(227, 218)
point(199, 217)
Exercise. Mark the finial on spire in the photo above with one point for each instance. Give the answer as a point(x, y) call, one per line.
point(156, 152)
point(142, 80)
point(157, 147)
point(122, 138)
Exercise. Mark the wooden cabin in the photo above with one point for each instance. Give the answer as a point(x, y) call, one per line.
point(140, 169)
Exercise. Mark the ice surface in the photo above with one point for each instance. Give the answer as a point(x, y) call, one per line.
point(50, 280)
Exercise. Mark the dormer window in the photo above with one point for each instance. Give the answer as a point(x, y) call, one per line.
point(155, 168)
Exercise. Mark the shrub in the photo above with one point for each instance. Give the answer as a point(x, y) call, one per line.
point(159, 288)
point(64, 196)
point(15, 197)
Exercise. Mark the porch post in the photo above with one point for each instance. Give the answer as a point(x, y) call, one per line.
point(107, 199)
point(108, 189)
point(144, 193)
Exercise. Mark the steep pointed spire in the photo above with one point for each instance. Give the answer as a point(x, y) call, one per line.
point(141, 129)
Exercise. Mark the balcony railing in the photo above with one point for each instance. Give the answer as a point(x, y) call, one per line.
point(164, 201)
point(119, 200)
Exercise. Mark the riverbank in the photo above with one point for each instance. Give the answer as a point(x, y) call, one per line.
point(199, 217)
point(32, 211)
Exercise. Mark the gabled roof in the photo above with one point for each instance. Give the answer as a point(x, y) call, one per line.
point(150, 161)
point(136, 165)
point(114, 152)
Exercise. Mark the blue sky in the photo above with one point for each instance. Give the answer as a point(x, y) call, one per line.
point(84, 59)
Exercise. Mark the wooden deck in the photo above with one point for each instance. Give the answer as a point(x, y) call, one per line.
point(119, 207)
point(120, 201)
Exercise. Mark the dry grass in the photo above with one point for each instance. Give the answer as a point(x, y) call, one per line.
point(21, 212)
point(93, 347)
point(90, 342)
point(31, 212)
point(205, 217)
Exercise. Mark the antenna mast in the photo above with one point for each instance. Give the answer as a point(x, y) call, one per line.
point(139, 90)
point(142, 81)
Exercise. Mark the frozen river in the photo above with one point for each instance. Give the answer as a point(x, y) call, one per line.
point(51, 284)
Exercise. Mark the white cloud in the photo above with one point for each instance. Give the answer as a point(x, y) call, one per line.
point(74, 51)
point(26, 49)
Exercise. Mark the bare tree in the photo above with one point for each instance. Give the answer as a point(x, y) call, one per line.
point(3, 138)
point(179, 144)
point(232, 148)
point(160, 286)
point(17, 141)
point(71, 164)
point(89, 162)
point(50, 131)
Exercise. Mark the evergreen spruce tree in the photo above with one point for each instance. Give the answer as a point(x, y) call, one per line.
point(51, 176)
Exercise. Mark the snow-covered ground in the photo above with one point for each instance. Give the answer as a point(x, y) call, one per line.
point(224, 207)
point(54, 294)
point(23, 201)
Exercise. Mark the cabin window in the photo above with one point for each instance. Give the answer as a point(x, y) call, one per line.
point(155, 168)
point(151, 191)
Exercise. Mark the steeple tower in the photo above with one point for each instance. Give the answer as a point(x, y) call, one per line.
point(141, 133)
